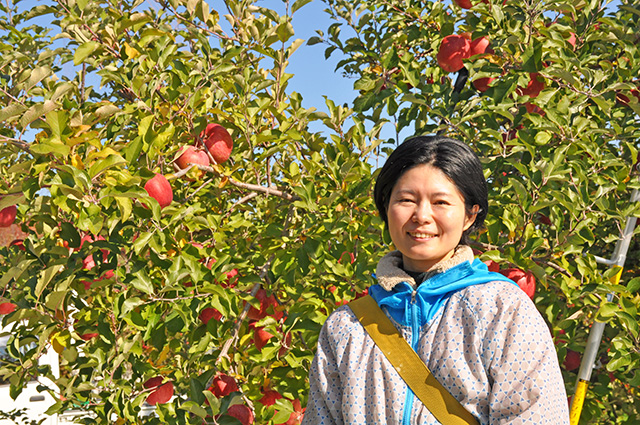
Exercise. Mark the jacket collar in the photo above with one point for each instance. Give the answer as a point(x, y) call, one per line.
point(389, 271)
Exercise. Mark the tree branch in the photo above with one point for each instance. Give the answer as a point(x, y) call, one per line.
point(487, 246)
point(17, 142)
point(272, 190)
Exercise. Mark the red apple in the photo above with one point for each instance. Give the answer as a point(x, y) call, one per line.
point(153, 382)
point(453, 49)
point(89, 335)
point(269, 397)
point(623, 99)
point(265, 303)
point(223, 385)
point(572, 39)
point(544, 219)
point(192, 155)
point(479, 46)
point(241, 413)
point(7, 307)
point(261, 337)
point(8, 216)
point(464, 4)
point(482, 84)
point(525, 280)
point(208, 314)
point(534, 109)
point(492, 266)
point(19, 244)
point(161, 394)
point(571, 360)
point(232, 279)
point(88, 263)
point(218, 141)
point(160, 190)
point(362, 294)
point(534, 87)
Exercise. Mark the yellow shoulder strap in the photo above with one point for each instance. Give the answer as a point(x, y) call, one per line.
point(411, 368)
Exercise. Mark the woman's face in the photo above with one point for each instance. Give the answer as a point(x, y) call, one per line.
point(426, 217)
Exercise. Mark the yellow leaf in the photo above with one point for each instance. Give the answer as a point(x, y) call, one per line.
point(131, 52)
point(102, 154)
point(223, 182)
point(76, 161)
point(163, 355)
point(58, 342)
point(164, 109)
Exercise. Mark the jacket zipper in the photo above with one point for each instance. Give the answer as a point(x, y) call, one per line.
point(408, 404)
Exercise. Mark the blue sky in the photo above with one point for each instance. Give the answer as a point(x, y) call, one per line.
point(314, 76)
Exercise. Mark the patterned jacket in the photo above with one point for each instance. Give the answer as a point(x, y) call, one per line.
point(485, 342)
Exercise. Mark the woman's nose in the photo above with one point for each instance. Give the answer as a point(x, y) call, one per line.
point(423, 212)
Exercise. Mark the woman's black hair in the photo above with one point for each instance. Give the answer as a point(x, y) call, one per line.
point(454, 158)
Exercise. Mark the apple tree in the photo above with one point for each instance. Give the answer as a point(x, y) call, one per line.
point(183, 233)
point(548, 93)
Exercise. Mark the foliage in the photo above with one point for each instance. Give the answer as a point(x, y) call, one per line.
point(99, 96)
point(559, 163)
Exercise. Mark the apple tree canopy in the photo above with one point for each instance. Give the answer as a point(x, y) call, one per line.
point(216, 299)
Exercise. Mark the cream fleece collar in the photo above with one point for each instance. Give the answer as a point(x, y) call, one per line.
point(389, 271)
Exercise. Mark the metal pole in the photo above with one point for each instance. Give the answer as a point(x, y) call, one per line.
point(595, 334)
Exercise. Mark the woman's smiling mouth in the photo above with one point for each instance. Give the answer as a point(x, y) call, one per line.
point(421, 235)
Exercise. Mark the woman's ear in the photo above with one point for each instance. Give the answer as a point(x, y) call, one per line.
point(471, 218)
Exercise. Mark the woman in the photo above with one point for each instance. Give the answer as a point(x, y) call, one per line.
point(478, 333)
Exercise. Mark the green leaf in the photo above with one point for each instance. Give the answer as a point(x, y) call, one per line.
point(195, 408)
point(37, 75)
point(84, 51)
point(106, 109)
point(11, 110)
point(104, 164)
point(142, 282)
point(129, 304)
point(298, 4)
point(197, 391)
point(284, 31)
point(46, 276)
point(214, 402)
point(634, 285)
point(608, 310)
point(618, 362)
point(125, 205)
point(36, 111)
point(532, 57)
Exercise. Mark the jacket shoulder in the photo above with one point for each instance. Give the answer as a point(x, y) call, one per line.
point(340, 324)
point(493, 298)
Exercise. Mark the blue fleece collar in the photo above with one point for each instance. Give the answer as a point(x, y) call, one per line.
point(433, 292)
